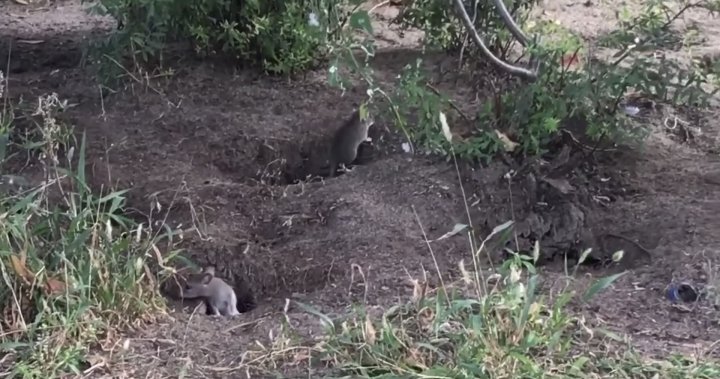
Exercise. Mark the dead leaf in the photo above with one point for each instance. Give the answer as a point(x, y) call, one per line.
point(456, 229)
point(445, 127)
point(95, 360)
point(561, 185)
point(507, 142)
point(570, 60)
point(22, 2)
point(370, 332)
point(18, 265)
point(54, 286)
point(31, 41)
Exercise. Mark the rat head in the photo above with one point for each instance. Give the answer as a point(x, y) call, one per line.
point(197, 285)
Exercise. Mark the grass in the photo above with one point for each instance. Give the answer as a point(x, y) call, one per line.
point(507, 331)
point(74, 270)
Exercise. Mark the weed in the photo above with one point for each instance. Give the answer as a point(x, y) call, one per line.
point(74, 268)
point(498, 326)
point(494, 327)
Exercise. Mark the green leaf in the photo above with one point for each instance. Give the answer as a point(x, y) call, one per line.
point(529, 300)
point(601, 284)
point(4, 139)
point(361, 20)
point(6, 346)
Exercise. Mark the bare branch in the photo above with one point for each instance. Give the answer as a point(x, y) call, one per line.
point(513, 70)
point(510, 23)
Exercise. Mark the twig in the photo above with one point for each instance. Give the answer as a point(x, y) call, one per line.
point(510, 23)
point(467, 35)
point(379, 5)
point(645, 40)
point(452, 104)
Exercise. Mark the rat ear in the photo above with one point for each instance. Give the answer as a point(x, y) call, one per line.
point(206, 278)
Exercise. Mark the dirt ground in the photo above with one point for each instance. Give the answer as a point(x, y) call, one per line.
point(221, 150)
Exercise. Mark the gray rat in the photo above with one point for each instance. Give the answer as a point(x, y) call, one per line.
point(348, 138)
point(218, 296)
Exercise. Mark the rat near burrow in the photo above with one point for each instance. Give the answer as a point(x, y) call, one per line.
point(218, 296)
point(348, 137)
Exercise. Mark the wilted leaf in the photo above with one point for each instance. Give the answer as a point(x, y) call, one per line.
point(456, 229)
point(445, 127)
point(31, 41)
point(54, 286)
point(500, 228)
point(95, 360)
point(584, 256)
point(369, 331)
point(610, 334)
point(536, 251)
point(562, 185)
point(18, 265)
point(326, 321)
point(506, 141)
point(569, 60)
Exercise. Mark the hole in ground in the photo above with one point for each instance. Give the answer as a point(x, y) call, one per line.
point(281, 162)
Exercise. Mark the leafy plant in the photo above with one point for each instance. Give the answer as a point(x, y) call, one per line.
point(282, 37)
point(569, 82)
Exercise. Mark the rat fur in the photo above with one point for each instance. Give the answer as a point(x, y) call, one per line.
point(218, 296)
point(347, 140)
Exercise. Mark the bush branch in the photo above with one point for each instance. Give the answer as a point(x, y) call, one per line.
point(510, 23)
point(513, 70)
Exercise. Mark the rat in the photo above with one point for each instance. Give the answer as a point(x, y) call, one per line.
point(348, 138)
point(218, 296)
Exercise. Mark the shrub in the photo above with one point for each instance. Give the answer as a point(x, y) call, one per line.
point(279, 36)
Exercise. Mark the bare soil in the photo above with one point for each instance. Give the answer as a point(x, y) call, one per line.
point(222, 151)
